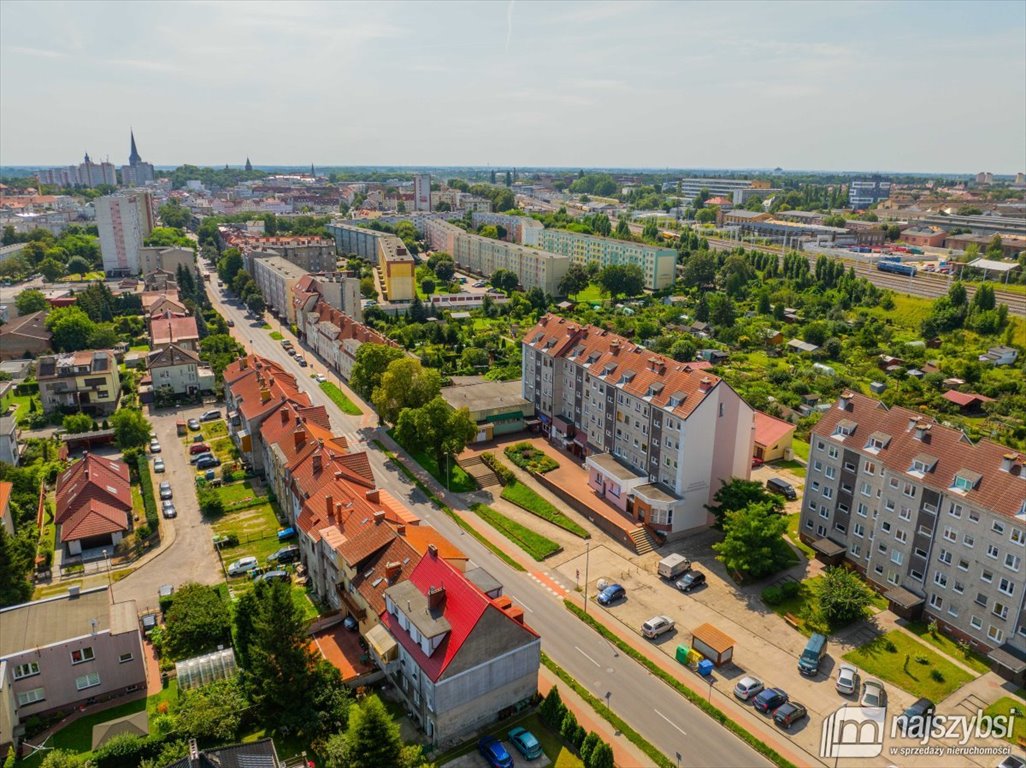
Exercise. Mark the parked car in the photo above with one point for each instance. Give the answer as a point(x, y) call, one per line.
point(350, 623)
point(480, 284)
point(769, 699)
point(231, 323)
point(789, 713)
point(158, 465)
point(211, 416)
point(611, 594)
point(917, 717)
point(691, 580)
point(285, 555)
point(815, 650)
point(286, 533)
point(168, 510)
point(194, 425)
point(165, 491)
point(206, 462)
point(275, 576)
point(847, 680)
point(525, 742)
point(197, 438)
point(242, 565)
point(319, 378)
point(781, 486)
point(656, 626)
point(201, 455)
point(302, 361)
point(494, 753)
point(197, 448)
point(747, 687)
point(154, 446)
point(873, 694)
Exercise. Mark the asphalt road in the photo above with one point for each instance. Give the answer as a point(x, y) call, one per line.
point(651, 707)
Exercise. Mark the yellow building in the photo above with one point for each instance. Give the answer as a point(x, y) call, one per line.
point(396, 267)
point(86, 381)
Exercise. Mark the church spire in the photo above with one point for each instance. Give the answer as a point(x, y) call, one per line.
point(133, 157)
point(249, 165)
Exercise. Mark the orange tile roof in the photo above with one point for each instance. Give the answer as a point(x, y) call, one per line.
point(769, 430)
point(93, 478)
point(420, 536)
point(173, 330)
point(373, 577)
point(5, 494)
point(93, 519)
point(261, 386)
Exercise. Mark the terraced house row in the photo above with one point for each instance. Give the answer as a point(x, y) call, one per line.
point(936, 521)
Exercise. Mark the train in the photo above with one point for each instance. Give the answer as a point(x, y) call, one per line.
point(897, 268)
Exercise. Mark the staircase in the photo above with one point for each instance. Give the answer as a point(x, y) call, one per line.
point(480, 471)
point(644, 541)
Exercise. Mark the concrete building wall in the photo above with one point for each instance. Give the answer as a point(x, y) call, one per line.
point(152, 258)
point(124, 222)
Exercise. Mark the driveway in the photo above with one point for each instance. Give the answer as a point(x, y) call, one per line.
point(191, 556)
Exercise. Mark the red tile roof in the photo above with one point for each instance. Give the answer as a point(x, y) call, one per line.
point(5, 494)
point(769, 430)
point(365, 537)
point(261, 385)
point(90, 491)
point(173, 330)
point(93, 519)
point(965, 399)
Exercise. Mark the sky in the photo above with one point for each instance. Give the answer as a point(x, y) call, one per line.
point(845, 86)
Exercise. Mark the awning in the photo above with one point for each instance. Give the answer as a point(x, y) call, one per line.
point(381, 642)
point(903, 598)
point(581, 438)
point(532, 422)
point(1009, 658)
point(828, 548)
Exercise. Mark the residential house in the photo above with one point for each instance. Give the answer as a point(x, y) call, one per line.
point(253, 754)
point(24, 336)
point(967, 402)
point(336, 336)
point(6, 516)
point(160, 257)
point(10, 451)
point(772, 437)
point(94, 504)
point(372, 559)
point(167, 330)
point(459, 659)
point(158, 304)
point(1000, 355)
point(58, 653)
point(277, 279)
point(160, 280)
point(180, 369)
point(86, 381)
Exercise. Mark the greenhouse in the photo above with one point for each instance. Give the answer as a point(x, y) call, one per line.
point(200, 670)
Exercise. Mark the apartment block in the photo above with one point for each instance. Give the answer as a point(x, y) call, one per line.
point(935, 521)
point(85, 381)
point(422, 192)
point(739, 191)
point(357, 241)
point(396, 269)
point(124, 222)
point(484, 256)
point(519, 229)
point(658, 437)
point(313, 254)
point(276, 277)
point(657, 264)
point(863, 193)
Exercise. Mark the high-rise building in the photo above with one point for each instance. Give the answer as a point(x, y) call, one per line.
point(136, 173)
point(862, 193)
point(85, 174)
point(422, 192)
point(124, 222)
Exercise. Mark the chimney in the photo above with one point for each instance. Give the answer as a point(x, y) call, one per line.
point(265, 395)
point(299, 438)
point(379, 517)
point(284, 416)
point(614, 347)
point(243, 363)
point(516, 613)
point(922, 430)
point(329, 505)
point(1007, 461)
point(706, 384)
point(392, 570)
point(317, 463)
point(400, 530)
point(432, 550)
point(844, 403)
point(912, 421)
point(436, 598)
point(373, 495)
point(194, 758)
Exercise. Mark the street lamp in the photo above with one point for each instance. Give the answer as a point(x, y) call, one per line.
point(587, 560)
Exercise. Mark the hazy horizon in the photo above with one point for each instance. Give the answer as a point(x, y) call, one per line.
point(852, 87)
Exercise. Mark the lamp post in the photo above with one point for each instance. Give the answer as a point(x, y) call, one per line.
point(587, 560)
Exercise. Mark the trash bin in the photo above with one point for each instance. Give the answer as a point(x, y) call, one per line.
point(705, 667)
point(682, 654)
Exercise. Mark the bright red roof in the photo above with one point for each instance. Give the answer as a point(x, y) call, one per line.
point(93, 478)
point(769, 430)
point(964, 399)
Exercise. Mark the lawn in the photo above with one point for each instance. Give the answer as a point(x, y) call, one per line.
point(526, 456)
point(792, 534)
point(590, 295)
point(526, 498)
point(257, 529)
point(1009, 705)
point(946, 645)
point(805, 607)
point(21, 403)
point(238, 492)
point(534, 544)
point(789, 464)
point(911, 666)
point(222, 448)
point(801, 449)
point(457, 480)
point(338, 397)
point(211, 430)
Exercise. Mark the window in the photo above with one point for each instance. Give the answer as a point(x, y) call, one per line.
point(829, 472)
point(1000, 610)
point(828, 493)
point(936, 601)
point(867, 489)
point(886, 526)
point(975, 623)
point(841, 527)
point(862, 509)
point(817, 465)
point(944, 556)
point(31, 697)
point(995, 633)
point(26, 670)
point(897, 557)
point(833, 453)
point(1017, 536)
point(815, 485)
point(955, 510)
point(856, 550)
point(940, 579)
point(962, 483)
point(859, 530)
point(998, 527)
point(909, 490)
point(1012, 562)
point(82, 654)
point(870, 468)
point(905, 513)
point(893, 482)
point(901, 536)
point(987, 576)
point(981, 600)
point(958, 587)
point(808, 523)
point(88, 680)
point(1007, 586)
point(918, 576)
point(992, 551)
point(849, 467)
point(969, 541)
point(953, 611)
point(963, 564)
point(878, 569)
point(974, 516)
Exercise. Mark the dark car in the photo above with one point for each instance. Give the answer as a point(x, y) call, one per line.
point(495, 753)
point(691, 580)
point(611, 594)
point(275, 576)
point(284, 555)
point(917, 718)
point(789, 713)
point(206, 462)
point(782, 487)
point(770, 699)
point(200, 456)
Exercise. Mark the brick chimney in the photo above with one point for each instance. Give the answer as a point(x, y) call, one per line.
point(844, 403)
point(265, 395)
point(284, 416)
point(373, 495)
point(243, 363)
point(516, 613)
point(379, 517)
point(400, 529)
point(614, 347)
point(432, 550)
point(436, 598)
point(1008, 461)
point(705, 384)
point(329, 505)
point(392, 570)
point(299, 438)
point(318, 463)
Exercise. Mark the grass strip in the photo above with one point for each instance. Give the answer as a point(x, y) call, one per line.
point(338, 397)
point(527, 499)
point(635, 738)
point(534, 544)
point(710, 709)
point(276, 336)
point(463, 524)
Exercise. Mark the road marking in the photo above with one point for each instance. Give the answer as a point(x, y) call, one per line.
point(526, 607)
point(587, 657)
point(670, 721)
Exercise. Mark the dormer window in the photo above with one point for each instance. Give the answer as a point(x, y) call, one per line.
point(608, 368)
point(677, 398)
point(550, 344)
point(845, 427)
point(626, 377)
point(922, 464)
point(878, 441)
point(577, 351)
point(965, 480)
point(592, 358)
point(654, 389)
point(538, 338)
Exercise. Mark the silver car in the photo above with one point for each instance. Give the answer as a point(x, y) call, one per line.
point(747, 688)
point(873, 694)
point(847, 680)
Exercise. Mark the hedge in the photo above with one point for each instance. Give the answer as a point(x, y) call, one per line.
point(146, 489)
point(504, 473)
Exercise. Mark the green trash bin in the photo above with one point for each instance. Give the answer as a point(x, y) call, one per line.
point(682, 654)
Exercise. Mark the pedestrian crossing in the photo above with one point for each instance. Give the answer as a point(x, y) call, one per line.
point(550, 585)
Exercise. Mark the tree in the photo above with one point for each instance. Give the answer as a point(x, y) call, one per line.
point(197, 621)
point(994, 249)
point(509, 179)
point(255, 302)
point(16, 553)
point(601, 756)
point(229, 265)
point(78, 266)
point(210, 502)
point(764, 307)
point(436, 428)
point(721, 311)
point(372, 360)
point(445, 269)
point(76, 423)
point(588, 746)
point(843, 596)
point(505, 280)
point(702, 308)
point(552, 709)
point(70, 328)
point(168, 237)
point(405, 384)
point(752, 541)
point(174, 214)
point(575, 280)
point(131, 429)
point(699, 269)
point(372, 738)
point(427, 286)
point(623, 230)
point(705, 216)
point(622, 280)
point(213, 711)
point(60, 758)
point(738, 494)
point(30, 301)
point(97, 301)
point(983, 299)
point(51, 269)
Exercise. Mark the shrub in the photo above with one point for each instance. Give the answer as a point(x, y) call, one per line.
point(526, 456)
point(920, 659)
point(890, 647)
point(552, 709)
point(601, 756)
point(128, 749)
point(773, 595)
point(790, 589)
point(937, 675)
point(568, 726)
point(146, 489)
point(588, 745)
point(504, 473)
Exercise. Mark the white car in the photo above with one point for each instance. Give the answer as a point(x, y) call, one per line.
point(847, 680)
point(748, 687)
point(154, 446)
point(319, 378)
point(242, 565)
point(158, 465)
point(873, 694)
point(656, 626)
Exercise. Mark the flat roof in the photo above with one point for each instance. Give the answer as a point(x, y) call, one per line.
point(477, 394)
point(59, 618)
point(608, 464)
point(994, 266)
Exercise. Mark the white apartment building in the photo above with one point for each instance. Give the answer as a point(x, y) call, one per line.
point(276, 278)
point(422, 192)
point(658, 436)
point(124, 222)
point(934, 520)
point(519, 229)
point(657, 264)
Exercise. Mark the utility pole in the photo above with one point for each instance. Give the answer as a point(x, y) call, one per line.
point(587, 559)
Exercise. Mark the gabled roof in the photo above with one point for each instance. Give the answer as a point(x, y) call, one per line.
point(150, 298)
point(422, 536)
point(93, 478)
point(365, 537)
point(94, 518)
point(32, 325)
point(173, 330)
point(172, 355)
point(372, 579)
point(261, 385)
point(965, 399)
point(257, 754)
point(769, 430)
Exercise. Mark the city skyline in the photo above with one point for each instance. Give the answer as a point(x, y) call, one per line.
point(857, 88)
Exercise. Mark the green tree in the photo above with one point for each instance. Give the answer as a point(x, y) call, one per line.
point(705, 216)
point(588, 746)
point(60, 758)
point(131, 428)
point(764, 307)
point(51, 268)
point(372, 360)
point(445, 269)
point(699, 269)
point(212, 711)
point(78, 266)
point(30, 301)
point(621, 280)
point(229, 265)
point(427, 286)
point(505, 280)
point(721, 311)
point(168, 237)
point(174, 214)
point(623, 230)
point(255, 302)
point(372, 739)
point(405, 384)
point(843, 596)
point(70, 328)
point(752, 541)
point(702, 308)
point(552, 709)
point(738, 494)
point(16, 554)
point(210, 502)
point(77, 422)
point(983, 299)
point(436, 428)
point(575, 280)
point(490, 231)
point(601, 756)
point(197, 621)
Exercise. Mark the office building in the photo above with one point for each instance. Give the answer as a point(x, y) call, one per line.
point(659, 437)
point(864, 193)
point(422, 192)
point(136, 173)
point(657, 264)
point(124, 221)
point(935, 521)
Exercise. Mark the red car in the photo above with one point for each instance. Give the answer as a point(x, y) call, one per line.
point(198, 448)
point(756, 462)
